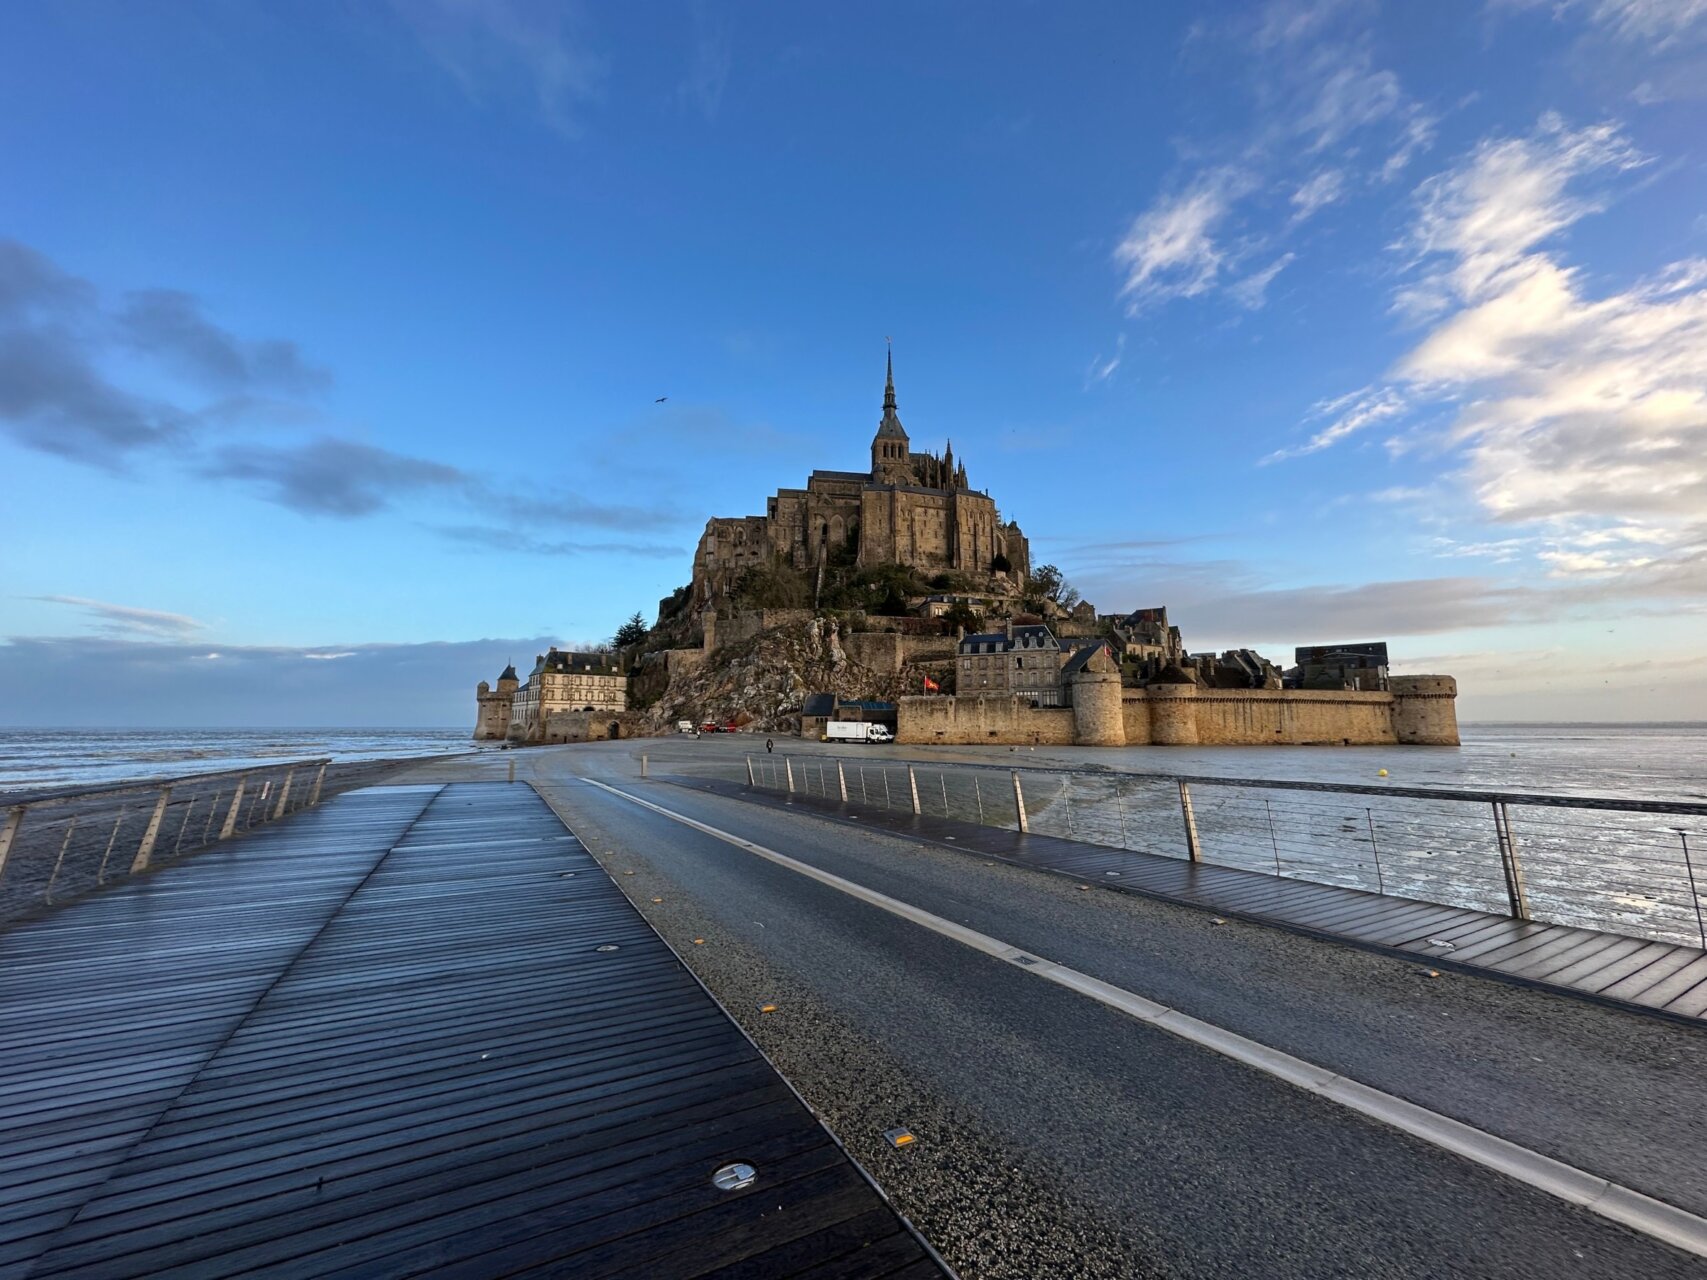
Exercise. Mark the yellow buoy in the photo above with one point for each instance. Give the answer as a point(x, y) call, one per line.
point(1380, 773)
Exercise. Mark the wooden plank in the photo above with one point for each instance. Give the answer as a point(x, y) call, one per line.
point(427, 1065)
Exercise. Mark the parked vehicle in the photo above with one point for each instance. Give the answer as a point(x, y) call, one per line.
point(856, 731)
point(685, 726)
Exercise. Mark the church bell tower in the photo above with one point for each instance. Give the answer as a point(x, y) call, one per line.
point(891, 452)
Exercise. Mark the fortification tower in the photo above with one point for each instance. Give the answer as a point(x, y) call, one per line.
point(494, 706)
point(1425, 710)
point(1097, 716)
point(1173, 713)
point(891, 451)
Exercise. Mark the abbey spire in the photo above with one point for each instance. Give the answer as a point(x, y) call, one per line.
point(891, 452)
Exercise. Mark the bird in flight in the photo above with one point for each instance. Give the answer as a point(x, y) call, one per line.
point(660, 399)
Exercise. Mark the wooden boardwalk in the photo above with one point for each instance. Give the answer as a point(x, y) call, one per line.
point(1654, 976)
point(415, 1031)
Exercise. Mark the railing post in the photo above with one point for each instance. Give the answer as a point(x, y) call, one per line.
point(60, 861)
point(9, 833)
point(314, 795)
point(101, 872)
point(229, 826)
point(189, 812)
point(789, 765)
point(913, 786)
point(1019, 804)
point(1516, 894)
point(512, 777)
point(1192, 852)
point(143, 850)
point(643, 764)
point(750, 780)
point(284, 795)
point(842, 780)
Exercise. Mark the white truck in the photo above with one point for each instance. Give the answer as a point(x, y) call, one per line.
point(856, 731)
point(686, 726)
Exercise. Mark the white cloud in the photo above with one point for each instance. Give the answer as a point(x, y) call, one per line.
point(1252, 291)
point(1583, 415)
point(1656, 22)
point(1350, 414)
point(1170, 250)
point(1323, 188)
point(1418, 137)
point(1351, 95)
point(1324, 122)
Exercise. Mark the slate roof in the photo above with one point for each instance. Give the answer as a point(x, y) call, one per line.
point(1077, 662)
point(1027, 637)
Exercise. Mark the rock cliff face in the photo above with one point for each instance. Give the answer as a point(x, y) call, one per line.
point(763, 680)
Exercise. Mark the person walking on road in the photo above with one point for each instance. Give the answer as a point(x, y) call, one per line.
point(770, 746)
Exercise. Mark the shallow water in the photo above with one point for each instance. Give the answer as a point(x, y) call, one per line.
point(31, 759)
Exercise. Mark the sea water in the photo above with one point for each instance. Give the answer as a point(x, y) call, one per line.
point(36, 759)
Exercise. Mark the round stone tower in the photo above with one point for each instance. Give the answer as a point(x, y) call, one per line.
point(1097, 718)
point(1173, 715)
point(1425, 710)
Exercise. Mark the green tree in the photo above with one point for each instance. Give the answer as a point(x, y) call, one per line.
point(633, 631)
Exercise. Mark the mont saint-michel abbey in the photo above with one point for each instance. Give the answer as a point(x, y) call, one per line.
point(912, 509)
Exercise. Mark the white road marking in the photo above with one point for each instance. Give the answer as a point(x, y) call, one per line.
point(1665, 1222)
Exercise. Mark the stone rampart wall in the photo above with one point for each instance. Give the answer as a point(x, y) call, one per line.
point(591, 726)
point(990, 718)
point(747, 623)
point(891, 650)
point(1420, 711)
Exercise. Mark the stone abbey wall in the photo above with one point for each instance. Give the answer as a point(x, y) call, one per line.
point(1418, 710)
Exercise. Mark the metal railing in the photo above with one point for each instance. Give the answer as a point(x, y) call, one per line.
point(57, 845)
point(1623, 866)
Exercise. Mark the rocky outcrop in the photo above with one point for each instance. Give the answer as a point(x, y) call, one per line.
point(763, 680)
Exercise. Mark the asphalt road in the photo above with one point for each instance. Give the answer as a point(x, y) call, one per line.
point(1058, 1137)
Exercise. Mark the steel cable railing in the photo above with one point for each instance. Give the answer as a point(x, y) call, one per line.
point(56, 845)
point(1624, 866)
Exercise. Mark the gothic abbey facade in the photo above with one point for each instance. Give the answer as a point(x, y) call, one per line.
point(913, 509)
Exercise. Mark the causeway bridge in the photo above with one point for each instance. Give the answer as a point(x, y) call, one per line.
point(676, 1009)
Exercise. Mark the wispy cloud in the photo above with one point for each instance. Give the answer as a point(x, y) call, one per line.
point(130, 621)
point(501, 51)
point(1252, 291)
point(518, 541)
point(1322, 188)
point(1347, 415)
point(1171, 250)
point(1324, 123)
point(710, 62)
point(1103, 368)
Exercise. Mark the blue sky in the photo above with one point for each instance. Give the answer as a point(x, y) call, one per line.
point(330, 335)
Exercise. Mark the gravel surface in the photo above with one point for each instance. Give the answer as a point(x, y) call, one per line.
point(992, 1214)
